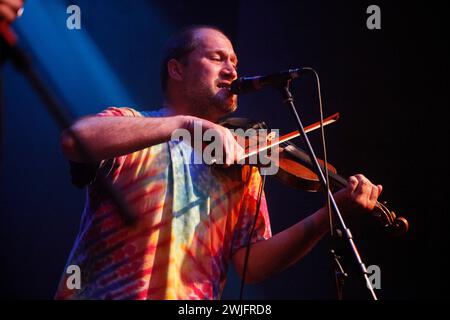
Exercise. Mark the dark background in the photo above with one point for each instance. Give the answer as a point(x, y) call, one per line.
point(390, 86)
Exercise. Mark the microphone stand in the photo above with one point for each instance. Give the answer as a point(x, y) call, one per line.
point(340, 274)
point(10, 49)
point(1, 106)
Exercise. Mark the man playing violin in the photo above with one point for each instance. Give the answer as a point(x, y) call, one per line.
point(192, 220)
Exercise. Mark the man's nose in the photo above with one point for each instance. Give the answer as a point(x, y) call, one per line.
point(229, 70)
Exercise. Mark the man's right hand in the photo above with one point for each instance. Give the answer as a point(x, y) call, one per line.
point(9, 10)
point(232, 150)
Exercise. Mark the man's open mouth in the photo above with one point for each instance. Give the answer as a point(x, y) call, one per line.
point(224, 85)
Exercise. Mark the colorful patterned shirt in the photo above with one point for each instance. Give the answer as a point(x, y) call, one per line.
point(191, 219)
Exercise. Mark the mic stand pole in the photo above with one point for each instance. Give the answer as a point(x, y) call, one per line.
point(339, 274)
point(8, 43)
point(1, 107)
point(289, 99)
point(3, 55)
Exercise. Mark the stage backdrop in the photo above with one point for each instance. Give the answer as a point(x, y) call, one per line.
point(390, 86)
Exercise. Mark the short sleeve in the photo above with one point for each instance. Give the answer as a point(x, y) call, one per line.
point(83, 174)
point(119, 112)
point(247, 213)
point(109, 166)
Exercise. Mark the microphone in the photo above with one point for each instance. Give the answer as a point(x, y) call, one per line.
point(248, 84)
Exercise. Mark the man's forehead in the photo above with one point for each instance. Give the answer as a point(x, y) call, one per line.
point(212, 40)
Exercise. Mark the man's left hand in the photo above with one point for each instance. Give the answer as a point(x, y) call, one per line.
point(359, 195)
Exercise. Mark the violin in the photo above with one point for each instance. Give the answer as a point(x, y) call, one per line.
point(296, 169)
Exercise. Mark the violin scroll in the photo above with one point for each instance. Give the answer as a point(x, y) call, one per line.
point(393, 225)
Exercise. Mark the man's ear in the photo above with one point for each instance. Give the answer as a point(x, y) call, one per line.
point(175, 69)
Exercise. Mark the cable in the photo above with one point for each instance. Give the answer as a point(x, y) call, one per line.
point(339, 281)
point(324, 146)
point(247, 251)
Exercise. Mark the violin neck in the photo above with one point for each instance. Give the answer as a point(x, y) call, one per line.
point(337, 179)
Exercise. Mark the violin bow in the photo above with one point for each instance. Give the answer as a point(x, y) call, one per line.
point(329, 120)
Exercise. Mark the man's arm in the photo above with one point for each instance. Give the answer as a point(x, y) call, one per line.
point(109, 137)
point(112, 136)
point(271, 256)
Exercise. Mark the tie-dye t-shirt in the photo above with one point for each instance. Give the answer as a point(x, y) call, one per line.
point(191, 219)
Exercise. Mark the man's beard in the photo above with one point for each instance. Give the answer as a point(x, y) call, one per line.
point(208, 104)
point(224, 101)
